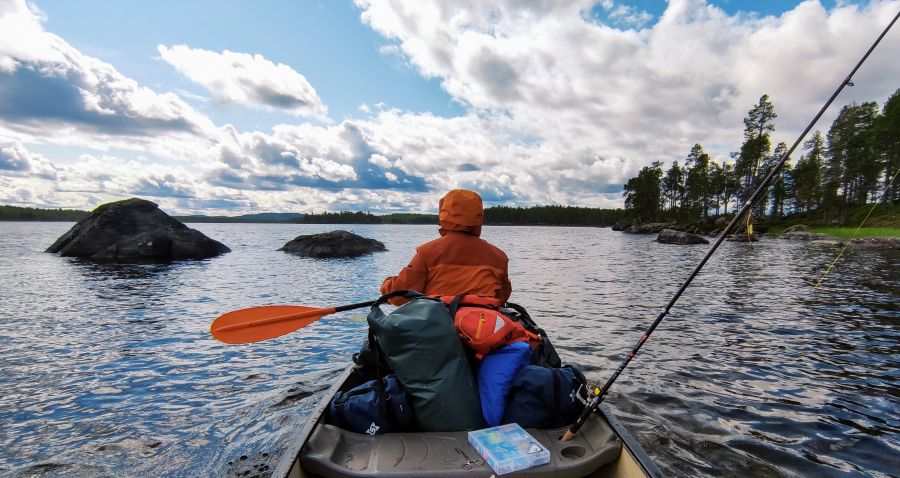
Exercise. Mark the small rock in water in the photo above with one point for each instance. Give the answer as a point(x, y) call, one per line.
point(332, 244)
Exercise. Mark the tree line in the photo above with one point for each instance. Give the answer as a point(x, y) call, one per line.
point(16, 213)
point(854, 163)
point(496, 215)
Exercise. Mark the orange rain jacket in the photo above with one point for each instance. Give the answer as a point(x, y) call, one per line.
point(459, 262)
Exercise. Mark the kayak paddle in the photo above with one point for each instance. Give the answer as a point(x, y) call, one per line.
point(269, 321)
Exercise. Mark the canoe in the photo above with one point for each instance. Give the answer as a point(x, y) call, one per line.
point(602, 448)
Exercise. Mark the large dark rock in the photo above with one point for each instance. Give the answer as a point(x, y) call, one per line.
point(332, 244)
point(669, 236)
point(621, 225)
point(134, 229)
point(648, 228)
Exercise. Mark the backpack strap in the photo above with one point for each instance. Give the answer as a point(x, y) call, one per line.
point(453, 306)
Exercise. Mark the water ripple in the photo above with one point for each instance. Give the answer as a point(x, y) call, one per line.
point(110, 371)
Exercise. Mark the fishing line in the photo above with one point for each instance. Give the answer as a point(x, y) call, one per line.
point(600, 394)
point(836, 259)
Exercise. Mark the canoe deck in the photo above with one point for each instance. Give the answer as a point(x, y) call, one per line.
point(324, 450)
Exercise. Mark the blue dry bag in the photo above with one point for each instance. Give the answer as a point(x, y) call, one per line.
point(375, 407)
point(495, 376)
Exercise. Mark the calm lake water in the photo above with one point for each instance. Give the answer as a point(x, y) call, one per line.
point(109, 370)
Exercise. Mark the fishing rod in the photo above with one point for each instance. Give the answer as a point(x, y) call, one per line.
point(600, 395)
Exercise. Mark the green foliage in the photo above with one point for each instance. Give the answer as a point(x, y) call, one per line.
point(848, 232)
point(553, 216)
point(643, 194)
point(15, 213)
point(856, 163)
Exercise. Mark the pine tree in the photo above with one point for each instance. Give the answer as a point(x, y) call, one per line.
point(673, 187)
point(807, 175)
point(886, 136)
point(697, 182)
point(643, 193)
point(783, 183)
point(758, 125)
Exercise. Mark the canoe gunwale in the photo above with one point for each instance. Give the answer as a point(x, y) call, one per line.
point(631, 443)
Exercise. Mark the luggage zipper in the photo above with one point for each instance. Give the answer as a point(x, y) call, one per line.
point(478, 330)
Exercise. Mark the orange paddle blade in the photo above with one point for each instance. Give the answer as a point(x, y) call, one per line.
point(266, 322)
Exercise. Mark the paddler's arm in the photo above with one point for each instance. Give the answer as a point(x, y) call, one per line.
point(412, 277)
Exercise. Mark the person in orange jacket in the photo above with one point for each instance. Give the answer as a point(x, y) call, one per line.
point(458, 262)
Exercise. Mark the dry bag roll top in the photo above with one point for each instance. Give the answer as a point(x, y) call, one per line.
point(421, 346)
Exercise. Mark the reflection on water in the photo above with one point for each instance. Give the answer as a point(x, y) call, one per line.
point(109, 370)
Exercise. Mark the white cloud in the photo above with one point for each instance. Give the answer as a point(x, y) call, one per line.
point(648, 94)
point(245, 79)
point(561, 108)
point(52, 92)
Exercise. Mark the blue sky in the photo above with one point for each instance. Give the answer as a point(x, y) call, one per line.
point(235, 107)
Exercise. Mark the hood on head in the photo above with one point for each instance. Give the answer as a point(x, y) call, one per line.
point(461, 210)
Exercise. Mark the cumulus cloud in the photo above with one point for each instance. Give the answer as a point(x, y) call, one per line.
point(565, 102)
point(645, 94)
point(15, 160)
point(50, 90)
point(244, 79)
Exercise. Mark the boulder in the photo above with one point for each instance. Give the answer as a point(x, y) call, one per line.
point(669, 236)
point(621, 225)
point(648, 228)
point(332, 244)
point(134, 230)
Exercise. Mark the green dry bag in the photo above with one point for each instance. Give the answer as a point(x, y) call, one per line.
point(421, 346)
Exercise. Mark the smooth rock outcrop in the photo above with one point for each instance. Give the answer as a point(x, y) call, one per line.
point(134, 230)
point(669, 236)
point(332, 244)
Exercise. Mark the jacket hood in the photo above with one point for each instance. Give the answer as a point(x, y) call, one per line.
point(461, 210)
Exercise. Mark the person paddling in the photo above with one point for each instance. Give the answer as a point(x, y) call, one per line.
point(458, 262)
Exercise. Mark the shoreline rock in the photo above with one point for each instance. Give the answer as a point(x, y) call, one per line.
point(134, 230)
point(669, 236)
point(332, 244)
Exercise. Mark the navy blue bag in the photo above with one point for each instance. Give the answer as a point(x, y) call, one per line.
point(546, 397)
point(374, 408)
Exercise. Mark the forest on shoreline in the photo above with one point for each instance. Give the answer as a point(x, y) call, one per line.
point(855, 164)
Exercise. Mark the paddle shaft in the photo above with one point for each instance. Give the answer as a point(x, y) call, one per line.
point(297, 316)
point(598, 397)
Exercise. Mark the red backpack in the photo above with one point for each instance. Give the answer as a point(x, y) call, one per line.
point(481, 325)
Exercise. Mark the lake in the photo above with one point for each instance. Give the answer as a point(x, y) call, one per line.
point(109, 370)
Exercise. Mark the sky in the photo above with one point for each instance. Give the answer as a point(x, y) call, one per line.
point(227, 107)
